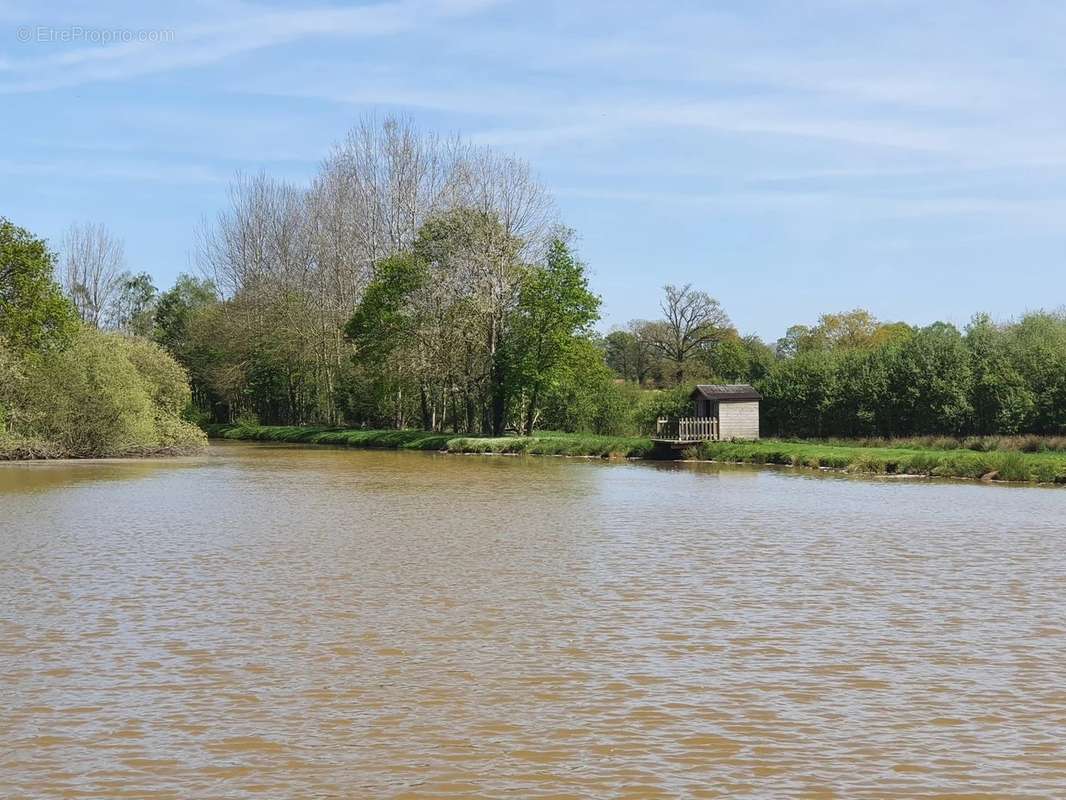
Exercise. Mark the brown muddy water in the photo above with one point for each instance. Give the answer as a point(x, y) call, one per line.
point(284, 622)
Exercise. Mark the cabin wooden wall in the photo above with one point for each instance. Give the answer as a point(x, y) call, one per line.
point(738, 419)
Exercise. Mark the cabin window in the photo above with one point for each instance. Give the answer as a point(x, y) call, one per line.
point(706, 408)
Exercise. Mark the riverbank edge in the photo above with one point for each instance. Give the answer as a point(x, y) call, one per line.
point(19, 449)
point(999, 466)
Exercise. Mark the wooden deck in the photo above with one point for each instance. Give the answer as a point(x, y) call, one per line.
point(685, 430)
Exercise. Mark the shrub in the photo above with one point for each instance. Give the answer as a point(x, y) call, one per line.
point(1031, 444)
point(10, 379)
point(105, 395)
point(1012, 466)
point(868, 463)
point(247, 419)
point(920, 464)
point(1048, 472)
point(832, 461)
point(90, 399)
point(168, 380)
point(21, 448)
point(665, 403)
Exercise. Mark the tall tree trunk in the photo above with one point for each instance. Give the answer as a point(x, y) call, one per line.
point(470, 412)
point(499, 400)
point(531, 414)
point(427, 420)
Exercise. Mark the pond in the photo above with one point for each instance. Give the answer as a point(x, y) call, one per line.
point(276, 621)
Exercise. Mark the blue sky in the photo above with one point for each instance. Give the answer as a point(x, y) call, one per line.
point(789, 158)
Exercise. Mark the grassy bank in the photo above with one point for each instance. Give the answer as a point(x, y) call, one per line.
point(542, 444)
point(1007, 465)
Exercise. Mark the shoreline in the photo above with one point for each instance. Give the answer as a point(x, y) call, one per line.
point(14, 456)
point(1004, 467)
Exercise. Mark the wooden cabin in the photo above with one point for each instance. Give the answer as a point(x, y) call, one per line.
point(720, 411)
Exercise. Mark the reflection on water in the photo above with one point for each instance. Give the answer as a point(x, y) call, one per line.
point(38, 476)
point(285, 622)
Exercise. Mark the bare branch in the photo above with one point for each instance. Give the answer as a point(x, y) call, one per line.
point(94, 266)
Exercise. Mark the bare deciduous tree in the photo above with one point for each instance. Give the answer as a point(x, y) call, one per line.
point(93, 270)
point(692, 320)
point(308, 254)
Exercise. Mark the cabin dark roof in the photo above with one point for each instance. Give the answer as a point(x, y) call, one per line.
point(726, 391)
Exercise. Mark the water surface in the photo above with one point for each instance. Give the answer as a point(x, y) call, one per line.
point(285, 622)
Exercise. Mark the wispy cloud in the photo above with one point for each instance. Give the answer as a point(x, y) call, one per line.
point(74, 170)
point(237, 30)
point(767, 132)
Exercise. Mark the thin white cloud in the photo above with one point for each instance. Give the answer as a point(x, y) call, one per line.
point(247, 30)
point(124, 170)
point(840, 205)
point(610, 105)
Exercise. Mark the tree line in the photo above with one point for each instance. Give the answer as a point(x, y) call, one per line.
point(68, 388)
point(852, 375)
point(415, 281)
point(421, 282)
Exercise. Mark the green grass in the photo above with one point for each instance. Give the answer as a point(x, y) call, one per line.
point(1026, 443)
point(1047, 466)
point(542, 444)
point(1007, 465)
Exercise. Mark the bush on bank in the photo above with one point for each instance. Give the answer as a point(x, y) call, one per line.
point(101, 395)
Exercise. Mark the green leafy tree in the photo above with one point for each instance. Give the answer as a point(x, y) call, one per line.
point(618, 351)
point(797, 339)
point(384, 320)
point(729, 359)
point(799, 393)
point(860, 394)
point(476, 269)
point(761, 358)
point(631, 352)
point(34, 314)
point(555, 306)
point(11, 377)
point(584, 396)
point(177, 315)
point(1037, 347)
point(850, 330)
point(174, 307)
point(929, 383)
point(1002, 402)
point(133, 310)
point(384, 331)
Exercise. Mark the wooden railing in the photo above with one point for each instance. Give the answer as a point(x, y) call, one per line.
point(686, 429)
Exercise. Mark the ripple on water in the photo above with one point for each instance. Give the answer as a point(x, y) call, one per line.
point(285, 622)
